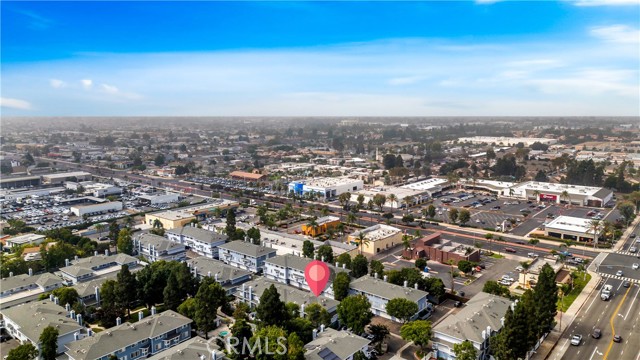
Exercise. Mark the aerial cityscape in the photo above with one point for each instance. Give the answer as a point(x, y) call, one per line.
point(320, 180)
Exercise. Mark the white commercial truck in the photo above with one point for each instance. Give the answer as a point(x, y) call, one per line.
point(605, 294)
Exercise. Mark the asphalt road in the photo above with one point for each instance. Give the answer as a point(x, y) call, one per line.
point(620, 316)
point(613, 263)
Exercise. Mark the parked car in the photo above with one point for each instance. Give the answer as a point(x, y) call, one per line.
point(633, 249)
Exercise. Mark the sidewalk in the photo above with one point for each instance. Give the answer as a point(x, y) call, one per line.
point(625, 235)
point(548, 349)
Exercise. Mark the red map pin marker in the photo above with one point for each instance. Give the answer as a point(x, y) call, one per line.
point(317, 275)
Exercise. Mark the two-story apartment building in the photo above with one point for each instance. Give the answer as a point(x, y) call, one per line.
point(245, 255)
point(335, 345)
point(250, 293)
point(228, 276)
point(20, 289)
point(201, 241)
point(195, 348)
point(380, 292)
point(289, 269)
point(95, 266)
point(131, 341)
point(89, 291)
point(155, 248)
point(25, 323)
point(480, 319)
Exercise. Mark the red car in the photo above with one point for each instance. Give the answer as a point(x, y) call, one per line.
point(509, 250)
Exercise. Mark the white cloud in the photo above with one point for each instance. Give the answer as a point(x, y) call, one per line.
point(605, 2)
point(109, 89)
point(15, 104)
point(616, 34)
point(406, 80)
point(87, 84)
point(57, 84)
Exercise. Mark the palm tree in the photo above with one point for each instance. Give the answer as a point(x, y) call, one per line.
point(406, 241)
point(511, 192)
point(100, 227)
point(453, 179)
point(392, 198)
point(157, 224)
point(362, 240)
point(565, 195)
point(451, 263)
point(407, 200)
point(534, 242)
point(351, 218)
point(313, 224)
point(525, 269)
point(595, 226)
point(537, 193)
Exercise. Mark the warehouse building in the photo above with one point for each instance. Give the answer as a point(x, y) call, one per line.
point(17, 182)
point(159, 199)
point(326, 188)
point(171, 219)
point(93, 209)
point(503, 140)
point(59, 178)
point(432, 187)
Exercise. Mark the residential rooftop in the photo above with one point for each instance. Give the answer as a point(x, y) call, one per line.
point(159, 243)
point(481, 311)
point(246, 248)
point(335, 345)
point(289, 294)
point(33, 317)
point(199, 234)
point(226, 273)
point(385, 290)
point(297, 263)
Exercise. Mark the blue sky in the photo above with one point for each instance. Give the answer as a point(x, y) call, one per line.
point(321, 58)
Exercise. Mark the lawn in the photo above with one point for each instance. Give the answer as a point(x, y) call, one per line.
point(578, 284)
point(497, 256)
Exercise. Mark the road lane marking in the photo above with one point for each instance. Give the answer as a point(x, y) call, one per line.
point(613, 330)
point(632, 302)
point(594, 353)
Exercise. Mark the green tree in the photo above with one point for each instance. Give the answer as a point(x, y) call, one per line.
point(23, 352)
point(230, 229)
point(465, 351)
point(464, 216)
point(295, 347)
point(421, 263)
point(325, 253)
point(453, 215)
point(360, 200)
point(465, 266)
point(271, 310)
point(376, 267)
point(492, 287)
point(271, 343)
point(504, 344)
point(125, 244)
point(110, 304)
point(241, 330)
point(341, 286)
point(627, 210)
point(48, 343)
point(431, 211)
point(317, 315)
point(379, 331)
point(172, 294)
point(401, 308)
point(355, 313)
point(418, 331)
point(359, 266)
point(188, 308)
point(127, 287)
point(345, 259)
point(254, 235)
point(209, 298)
point(307, 249)
point(66, 295)
point(379, 200)
point(545, 297)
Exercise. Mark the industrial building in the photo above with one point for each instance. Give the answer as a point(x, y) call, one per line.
point(326, 188)
point(171, 219)
point(93, 209)
point(60, 178)
point(432, 187)
point(377, 238)
point(17, 182)
point(503, 140)
point(159, 199)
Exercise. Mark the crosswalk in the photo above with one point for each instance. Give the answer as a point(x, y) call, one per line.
point(610, 276)
point(626, 252)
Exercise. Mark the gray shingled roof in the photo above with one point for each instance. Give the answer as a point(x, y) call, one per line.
point(297, 262)
point(334, 344)
point(158, 242)
point(381, 288)
point(86, 265)
point(225, 272)
point(87, 288)
point(247, 248)
point(479, 312)
point(43, 280)
point(118, 337)
point(290, 294)
point(191, 349)
point(199, 234)
point(32, 318)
